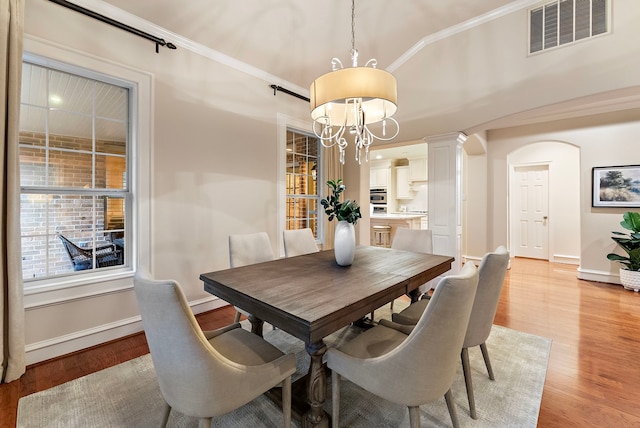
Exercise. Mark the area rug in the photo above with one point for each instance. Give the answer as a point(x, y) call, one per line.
point(127, 395)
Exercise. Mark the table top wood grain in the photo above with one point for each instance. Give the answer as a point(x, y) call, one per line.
point(311, 296)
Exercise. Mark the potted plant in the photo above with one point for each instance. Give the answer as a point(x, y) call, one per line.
point(630, 243)
point(347, 213)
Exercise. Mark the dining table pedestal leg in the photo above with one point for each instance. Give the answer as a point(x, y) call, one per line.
point(316, 388)
point(256, 325)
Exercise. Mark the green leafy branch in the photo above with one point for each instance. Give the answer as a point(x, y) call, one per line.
point(348, 210)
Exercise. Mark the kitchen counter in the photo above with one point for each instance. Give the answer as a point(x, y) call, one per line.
point(397, 216)
point(396, 220)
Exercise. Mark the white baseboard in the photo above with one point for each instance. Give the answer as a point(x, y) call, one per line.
point(477, 260)
point(598, 276)
point(206, 304)
point(567, 260)
point(474, 259)
point(65, 344)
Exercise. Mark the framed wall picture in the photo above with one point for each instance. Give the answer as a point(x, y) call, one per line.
point(616, 186)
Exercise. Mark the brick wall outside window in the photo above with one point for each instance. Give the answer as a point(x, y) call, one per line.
point(69, 214)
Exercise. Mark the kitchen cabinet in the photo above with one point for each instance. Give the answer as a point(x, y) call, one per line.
point(418, 169)
point(403, 188)
point(379, 175)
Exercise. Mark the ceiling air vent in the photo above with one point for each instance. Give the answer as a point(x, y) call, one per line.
point(566, 21)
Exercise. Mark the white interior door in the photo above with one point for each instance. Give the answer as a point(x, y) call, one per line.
point(530, 211)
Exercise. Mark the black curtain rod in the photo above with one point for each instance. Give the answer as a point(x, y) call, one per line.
point(157, 40)
point(286, 91)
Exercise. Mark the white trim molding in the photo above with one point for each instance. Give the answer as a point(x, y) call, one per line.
point(125, 17)
point(566, 259)
point(132, 20)
point(507, 9)
point(78, 340)
point(598, 276)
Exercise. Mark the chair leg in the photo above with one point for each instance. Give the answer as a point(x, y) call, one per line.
point(452, 409)
point(236, 318)
point(372, 318)
point(286, 401)
point(204, 423)
point(487, 361)
point(335, 399)
point(414, 416)
point(165, 415)
point(466, 369)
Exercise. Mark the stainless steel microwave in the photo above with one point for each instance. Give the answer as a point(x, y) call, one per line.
point(378, 196)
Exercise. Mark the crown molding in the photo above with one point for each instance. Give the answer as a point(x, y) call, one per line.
point(125, 17)
point(118, 14)
point(459, 28)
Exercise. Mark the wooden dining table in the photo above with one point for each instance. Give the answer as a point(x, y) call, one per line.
point(311, 296)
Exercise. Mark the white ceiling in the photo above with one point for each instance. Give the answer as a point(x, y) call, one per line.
point(295, 40)
point(449, 79)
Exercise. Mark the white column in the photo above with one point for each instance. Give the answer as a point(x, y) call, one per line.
point(445, 195)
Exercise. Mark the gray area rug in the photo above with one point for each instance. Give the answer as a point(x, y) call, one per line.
point(127, 395)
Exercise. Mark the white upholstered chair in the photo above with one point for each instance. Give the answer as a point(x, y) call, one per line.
point(491, 273)
point(298, 242)
point(248, 249)
point(206, 374)
point(416, 240)
point(409, 365)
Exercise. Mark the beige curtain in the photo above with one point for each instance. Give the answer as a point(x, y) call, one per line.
point(11, 307)
point(332, 170)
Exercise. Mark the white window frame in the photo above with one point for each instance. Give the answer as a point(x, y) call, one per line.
point(62, 289)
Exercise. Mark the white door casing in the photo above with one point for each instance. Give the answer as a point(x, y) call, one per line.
point(529, 212)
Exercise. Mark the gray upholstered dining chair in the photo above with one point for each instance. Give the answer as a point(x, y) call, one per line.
point(298, 242)
point(416, 240)
point(205, 374)
point(248, 249)
point(491, 273)
point(409, 365)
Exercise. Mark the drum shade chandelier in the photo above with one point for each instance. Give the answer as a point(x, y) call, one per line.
point(354, 99)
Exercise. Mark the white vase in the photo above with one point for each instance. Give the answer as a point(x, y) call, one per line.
point(344, 243)
point(630, 279)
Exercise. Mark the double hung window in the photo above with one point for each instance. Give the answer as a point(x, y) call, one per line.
point(76, 199)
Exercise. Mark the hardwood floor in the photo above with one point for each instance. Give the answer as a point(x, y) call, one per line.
point(593, 379)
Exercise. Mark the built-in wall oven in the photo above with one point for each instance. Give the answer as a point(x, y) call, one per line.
point(378, 198)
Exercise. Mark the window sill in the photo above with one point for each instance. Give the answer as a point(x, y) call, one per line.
point(63, 290)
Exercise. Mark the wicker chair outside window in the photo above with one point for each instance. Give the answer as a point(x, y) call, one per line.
point(82, 258)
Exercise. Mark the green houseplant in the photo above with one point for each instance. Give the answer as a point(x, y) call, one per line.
point(347, 213)
point(348, 210)
point(630, 243)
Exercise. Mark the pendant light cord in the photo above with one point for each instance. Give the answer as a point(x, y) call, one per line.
point(353, 25)
point(354, 51)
